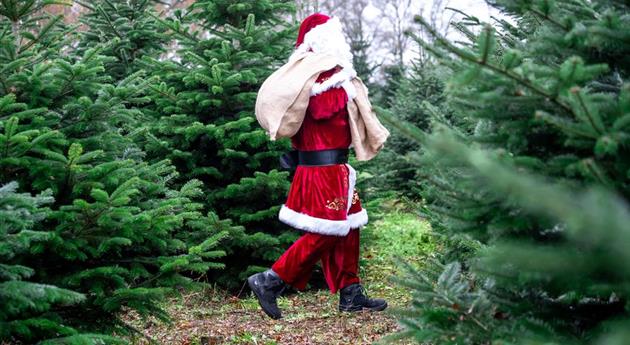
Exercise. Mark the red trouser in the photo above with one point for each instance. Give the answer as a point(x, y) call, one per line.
point(339, 255)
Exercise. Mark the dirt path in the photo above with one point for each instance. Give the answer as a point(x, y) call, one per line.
point(311, 317)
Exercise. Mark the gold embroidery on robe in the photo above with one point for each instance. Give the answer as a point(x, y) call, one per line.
point(337, 204)
point(355, 197)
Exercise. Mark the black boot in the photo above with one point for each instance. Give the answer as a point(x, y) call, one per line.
point(267, 286)
point(353, 298)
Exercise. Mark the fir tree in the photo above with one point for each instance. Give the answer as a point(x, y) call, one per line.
point(531, 172)
point(204, 106)
point(360, 56)
point(119, 233)
point(25, 304)
point(126, 31)
point(394, 170)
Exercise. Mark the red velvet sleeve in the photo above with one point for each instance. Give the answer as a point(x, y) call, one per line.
point(327, 103)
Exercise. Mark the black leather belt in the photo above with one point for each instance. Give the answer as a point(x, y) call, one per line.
point(294, 158)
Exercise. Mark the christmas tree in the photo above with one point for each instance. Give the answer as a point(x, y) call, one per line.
point(203, 106)
point(394, 171)
point(26, 305)
point(101, 228)
point(528, 180)
point(126, 31)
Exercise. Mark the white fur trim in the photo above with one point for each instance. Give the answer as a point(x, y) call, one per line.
point(350, 89)
point(313, 224)
point(357, 220)
point(319, 40)
point(323, 226)
point(342, 78)
point(328, 38)
point(352, 180)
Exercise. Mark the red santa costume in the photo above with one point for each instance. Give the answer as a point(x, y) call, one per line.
point(322, 200)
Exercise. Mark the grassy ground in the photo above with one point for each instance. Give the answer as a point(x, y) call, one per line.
point(311, 317)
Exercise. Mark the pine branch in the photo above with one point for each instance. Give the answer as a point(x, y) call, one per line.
point(42, 33)
point(513, 76)
point(179, 32)
point(549, 19)
point(578, 95)
point(15, 29)
point(100, 9)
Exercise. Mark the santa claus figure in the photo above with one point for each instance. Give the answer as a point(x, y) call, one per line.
point(317, 100)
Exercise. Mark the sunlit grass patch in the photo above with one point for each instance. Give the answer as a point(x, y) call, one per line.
point(400, 234)
point(397, 234)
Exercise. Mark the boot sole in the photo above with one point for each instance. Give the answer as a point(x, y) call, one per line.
point(254, 289)
point(357, 309)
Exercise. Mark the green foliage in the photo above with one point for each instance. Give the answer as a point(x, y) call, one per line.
point(127, 30)
point(443, 300)
point(414, 101)
point(213, 13)
point(529, 175)
point(203, 111)
point(359, 46)
point(26, 305)
point(117, 232)
point(398, 233)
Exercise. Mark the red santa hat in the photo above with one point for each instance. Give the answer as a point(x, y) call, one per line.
point(320, 33)
point(308, 24)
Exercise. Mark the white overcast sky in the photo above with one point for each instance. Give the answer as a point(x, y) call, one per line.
point(477, 8)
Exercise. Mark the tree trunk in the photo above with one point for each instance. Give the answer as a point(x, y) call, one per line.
point(15, 29)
